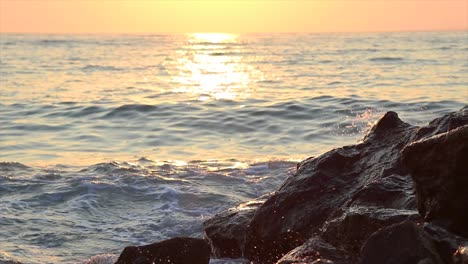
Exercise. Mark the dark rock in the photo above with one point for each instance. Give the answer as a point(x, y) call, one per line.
point(449, 246)
point(460, 256)
point(387, 122)
point(439, 169)
point(324, 185)
point(334, 202)
point(226, 230)
point(408, 242)
point(356, 224)
point(444, 124)
point(404, 243)
point(317, 251)
point(341, 238)
point(179, 250)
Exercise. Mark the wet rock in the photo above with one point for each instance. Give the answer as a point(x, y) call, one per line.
point(341, 238)
point(460, 256)
point(408, 242)
point(179, 250)
point(451, 247)
point(404, 243)
point(444, 124)
point(439, 169)
point(394, 191)
point(226, 230)
point(356, 224)
point(336, 201)
point(317, 251)
point(324, 185)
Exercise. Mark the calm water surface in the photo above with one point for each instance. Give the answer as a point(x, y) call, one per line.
point(112, 140)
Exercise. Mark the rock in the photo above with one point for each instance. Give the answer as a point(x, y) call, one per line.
point(449, 246)
point(324, 185)
point(226, 230)
point(316, 251)
point(438, 166)
point(179, 250)
point(460, 256)
point(444, 124)
point(341, 238)
point(351, 229)
point(336, 201)
point(403, 243)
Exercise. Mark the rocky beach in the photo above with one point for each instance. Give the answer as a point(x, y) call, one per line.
point(398, 196)
point(233, 148)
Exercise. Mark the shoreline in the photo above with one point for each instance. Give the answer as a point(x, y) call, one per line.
point(349, 205)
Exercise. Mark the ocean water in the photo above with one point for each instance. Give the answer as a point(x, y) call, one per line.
point(115, 140)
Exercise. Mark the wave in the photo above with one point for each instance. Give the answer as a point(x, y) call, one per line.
point(37, 127)
point(231, 54)
point(13, 166)
point(130, 110)
point(92, 67)
point(114, 204)
point(386, 59)
point(55, 41)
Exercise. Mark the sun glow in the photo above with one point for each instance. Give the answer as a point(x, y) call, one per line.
point(211, 67)
point(213, 38)
point(254, 16)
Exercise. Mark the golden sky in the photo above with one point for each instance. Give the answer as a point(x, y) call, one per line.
point(241, 16)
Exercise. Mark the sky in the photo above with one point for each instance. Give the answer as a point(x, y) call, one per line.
point(241, 16)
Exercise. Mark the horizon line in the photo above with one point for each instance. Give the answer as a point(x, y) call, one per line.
point(235, 33)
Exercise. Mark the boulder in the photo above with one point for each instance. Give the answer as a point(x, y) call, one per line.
point(351, 229)
point(439, 169)
point(336, 201)
point(403, 243)
point(324, 185)
point(226, 230)
point(341, 238)
point(451, 248)
point(179, 250)
point(317, 251)
point(444, 124)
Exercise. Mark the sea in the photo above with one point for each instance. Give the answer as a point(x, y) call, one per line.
point(115, 140)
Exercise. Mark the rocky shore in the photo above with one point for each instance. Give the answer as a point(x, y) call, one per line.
point(399, 196)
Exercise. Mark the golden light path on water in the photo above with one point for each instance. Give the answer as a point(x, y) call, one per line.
point(211, 66)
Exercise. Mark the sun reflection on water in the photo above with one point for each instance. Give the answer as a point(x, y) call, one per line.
point(212, 66)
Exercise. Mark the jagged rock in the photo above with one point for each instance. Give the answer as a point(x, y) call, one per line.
point(403, 243)
point(334, 202)
point(356, 224)
point(317, 251)
point(179, 250)
point(341, 238)
point(449, 246)
point(324, 185)
point(226, 230)
point(439, 169)
point(444, 124)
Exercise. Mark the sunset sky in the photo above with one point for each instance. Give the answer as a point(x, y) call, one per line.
point(120, 16)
